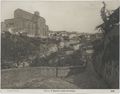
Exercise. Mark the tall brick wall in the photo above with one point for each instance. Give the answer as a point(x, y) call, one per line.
point(24, 21)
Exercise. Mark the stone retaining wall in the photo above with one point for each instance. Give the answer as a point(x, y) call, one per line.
point(11, 77)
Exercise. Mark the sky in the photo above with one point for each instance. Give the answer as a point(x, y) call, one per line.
point(79, 16)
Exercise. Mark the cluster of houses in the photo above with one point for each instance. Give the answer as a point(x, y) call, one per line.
point(62, 41)
point(33, 25)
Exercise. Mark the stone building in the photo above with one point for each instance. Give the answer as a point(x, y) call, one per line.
point(28, 23)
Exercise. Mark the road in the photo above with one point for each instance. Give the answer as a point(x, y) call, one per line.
point(87, 79)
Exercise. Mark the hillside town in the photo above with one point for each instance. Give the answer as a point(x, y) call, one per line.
point(29, 49)
point(56, 47)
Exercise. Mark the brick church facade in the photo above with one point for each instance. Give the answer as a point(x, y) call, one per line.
point(27, 23)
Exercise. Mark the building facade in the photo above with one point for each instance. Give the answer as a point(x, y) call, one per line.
point(28, 23)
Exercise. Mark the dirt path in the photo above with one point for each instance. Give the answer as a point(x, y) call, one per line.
point(49, 83)
point(88, 79)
